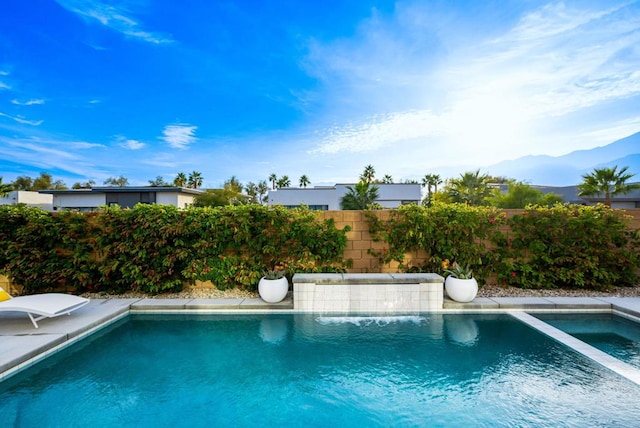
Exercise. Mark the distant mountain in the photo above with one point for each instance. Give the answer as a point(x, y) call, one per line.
point(568, 169)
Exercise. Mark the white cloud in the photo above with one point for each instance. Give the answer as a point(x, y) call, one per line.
point(484, 98)
point(22, 120)
point(4, 86)
point(116, 17)
point(85, 145)
point(179, 136)
point(28, 102)
point(129, 144)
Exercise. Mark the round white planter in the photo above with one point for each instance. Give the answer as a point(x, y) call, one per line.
point(273, 290)
point(461, 290)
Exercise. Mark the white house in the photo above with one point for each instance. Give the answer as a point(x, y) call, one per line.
point(329, 197)
point(126, 197)
point(32, 199)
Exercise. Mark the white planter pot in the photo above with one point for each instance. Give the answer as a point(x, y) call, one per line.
point(273, 290)
point(461, 290)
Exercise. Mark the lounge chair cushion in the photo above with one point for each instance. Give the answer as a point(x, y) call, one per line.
point(4, 295)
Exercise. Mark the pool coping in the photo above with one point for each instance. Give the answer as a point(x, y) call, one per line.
point(22, 346)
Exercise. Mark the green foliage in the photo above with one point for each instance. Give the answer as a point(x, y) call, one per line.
point(273, 274)
point(456, 232)
point(360, 197)
point(519, 195)
point(157, 248)
point(570, 246)
point(608, 182)
point(471, 188)
point(4, 188)
point(460, 271)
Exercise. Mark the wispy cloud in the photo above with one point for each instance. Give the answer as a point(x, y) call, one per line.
point(115, 17)
point(481, 95)
point(179, 136)
point(4, 86)
point(28, 102)
point(22, 120)
point(129, 144)
point(84, 145)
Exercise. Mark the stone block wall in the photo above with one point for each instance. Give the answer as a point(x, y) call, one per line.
point(360, 243)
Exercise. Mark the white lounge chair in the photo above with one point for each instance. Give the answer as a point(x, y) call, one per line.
point(48, 305)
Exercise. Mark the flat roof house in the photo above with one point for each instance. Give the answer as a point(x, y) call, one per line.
point(125, 197)
point(32, 199)
point(329, 197)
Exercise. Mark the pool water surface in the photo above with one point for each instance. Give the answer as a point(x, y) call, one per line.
point(613, 334)
point(307, 370)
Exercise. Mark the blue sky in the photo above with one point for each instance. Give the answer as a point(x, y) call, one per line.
point(91, 89)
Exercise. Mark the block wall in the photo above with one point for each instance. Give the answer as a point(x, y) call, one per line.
point(360, 243)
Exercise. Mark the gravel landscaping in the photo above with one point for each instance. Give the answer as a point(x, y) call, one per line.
point(484, 291)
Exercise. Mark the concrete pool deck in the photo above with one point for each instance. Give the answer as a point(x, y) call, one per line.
point(21, 344)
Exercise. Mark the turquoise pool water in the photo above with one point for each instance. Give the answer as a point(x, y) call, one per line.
point(305, 370)
point(613, 334)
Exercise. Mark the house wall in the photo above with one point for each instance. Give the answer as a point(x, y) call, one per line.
point(83, 201)
point(389, 195)
point(33, 199)
point(180, 200)
point(322, 196)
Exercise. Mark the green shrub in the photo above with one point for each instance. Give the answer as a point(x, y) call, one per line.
point(569, 246)
point(454, 232)
point(157, 248)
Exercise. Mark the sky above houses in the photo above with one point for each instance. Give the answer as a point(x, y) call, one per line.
point(139, 88)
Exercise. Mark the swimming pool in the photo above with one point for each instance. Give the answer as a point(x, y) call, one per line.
point(292, 370)
point(613, 334)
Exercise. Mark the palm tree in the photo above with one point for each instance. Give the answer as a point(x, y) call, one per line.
point(273, 178)
point(368, 174)
point(263, 189)
point(4, 188)
point(471, 188)
point(387, 179)
point(360, 197)
point(252, 191)
point(195, 180)
point(180, 180)
point(607, 181)
point(431, 181)
point(284, 181)
point(304, 181)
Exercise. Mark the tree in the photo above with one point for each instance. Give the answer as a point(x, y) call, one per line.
point(304, 181)
point(273, 178)
point(519, 195)
point(23, 182)
point(368, 174)
point(116, 181)
point(158, 182)
point(233, 185)
point(4, 188)
point(471, 188)
point(45, 182)
point(195, 180)
point(608, 182)
point(86, 185)
point(180, 180)
point(431, 181)
point(252, 191)
point(360, 197)
point(263, 189)
point(283, 181)
point(387, 179)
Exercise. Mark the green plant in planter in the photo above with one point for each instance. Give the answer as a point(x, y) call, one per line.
point(273, 274)
point(460, 271)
